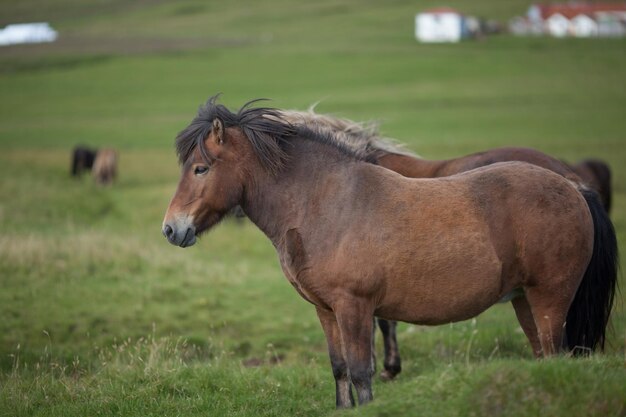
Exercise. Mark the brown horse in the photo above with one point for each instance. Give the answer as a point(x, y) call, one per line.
point(358, 240)
point(105, 167)
point(364, 139)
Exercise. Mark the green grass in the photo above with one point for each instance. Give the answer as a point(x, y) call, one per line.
point(99, 315)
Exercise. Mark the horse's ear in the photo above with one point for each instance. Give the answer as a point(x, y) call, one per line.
point(218, 131)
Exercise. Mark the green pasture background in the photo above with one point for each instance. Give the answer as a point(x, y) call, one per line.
point(99, 315)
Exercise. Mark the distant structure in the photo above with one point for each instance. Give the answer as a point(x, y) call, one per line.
point(444, 24)
point(439, 25)
point(582, 20)
point(27, 33)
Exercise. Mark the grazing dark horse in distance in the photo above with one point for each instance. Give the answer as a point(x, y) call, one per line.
point(82, 160)
point(105, 167)
point(364, 139)
point(358, 240)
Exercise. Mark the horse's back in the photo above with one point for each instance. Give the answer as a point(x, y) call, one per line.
point(506, 154)
point(505, 199)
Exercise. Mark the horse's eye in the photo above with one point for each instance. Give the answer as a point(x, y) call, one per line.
point(199, 170)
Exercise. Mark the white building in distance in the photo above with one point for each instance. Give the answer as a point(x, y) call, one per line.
point(439, 25)
point(27, 33)
point(582, 20)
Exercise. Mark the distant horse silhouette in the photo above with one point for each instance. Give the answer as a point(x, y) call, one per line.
point(358, 240)
point(105, 167)
point(364, 139)
point(82, 160)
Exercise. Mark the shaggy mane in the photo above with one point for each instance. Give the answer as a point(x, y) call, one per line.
point(363, 138)
point(269, 130)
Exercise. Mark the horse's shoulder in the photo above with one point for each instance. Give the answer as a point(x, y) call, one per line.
point(294, 246)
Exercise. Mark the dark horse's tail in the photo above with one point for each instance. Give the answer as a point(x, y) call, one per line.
point(588, 316)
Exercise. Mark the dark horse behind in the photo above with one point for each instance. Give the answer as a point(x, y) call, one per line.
point(363, 241)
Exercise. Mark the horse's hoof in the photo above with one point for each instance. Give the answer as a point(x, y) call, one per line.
point(386, 376)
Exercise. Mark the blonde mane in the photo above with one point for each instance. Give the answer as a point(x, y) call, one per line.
point(363, 138)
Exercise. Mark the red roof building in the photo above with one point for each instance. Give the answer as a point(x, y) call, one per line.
point(573, 19)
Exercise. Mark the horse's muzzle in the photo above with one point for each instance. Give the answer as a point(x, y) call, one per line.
point(180, 236)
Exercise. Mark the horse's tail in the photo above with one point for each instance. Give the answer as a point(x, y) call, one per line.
point(588, 316)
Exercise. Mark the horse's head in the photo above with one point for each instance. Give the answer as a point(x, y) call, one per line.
point(210, 185)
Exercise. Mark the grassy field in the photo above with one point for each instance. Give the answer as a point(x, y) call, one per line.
point(99, 315)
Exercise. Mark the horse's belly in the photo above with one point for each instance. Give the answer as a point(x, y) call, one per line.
point(445, 297)
point(439, 311)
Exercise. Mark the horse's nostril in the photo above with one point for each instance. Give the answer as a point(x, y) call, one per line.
point(168, 231)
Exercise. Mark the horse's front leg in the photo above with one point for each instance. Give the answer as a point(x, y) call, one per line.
point(343, 389)
point(354, 317)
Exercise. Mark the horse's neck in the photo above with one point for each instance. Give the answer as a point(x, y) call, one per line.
point(278, 204)
point(265, 204)
point(410, 166)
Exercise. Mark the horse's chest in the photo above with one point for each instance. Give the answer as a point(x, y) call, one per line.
point(294, 261)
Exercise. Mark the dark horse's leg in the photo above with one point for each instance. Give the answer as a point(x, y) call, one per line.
point(392, 361)
point(374, 346)
point(343, 389)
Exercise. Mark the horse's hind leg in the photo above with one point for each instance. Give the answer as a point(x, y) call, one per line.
point(392, 361)
point(343, 389)
point(526, 320)
point(549, 310)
